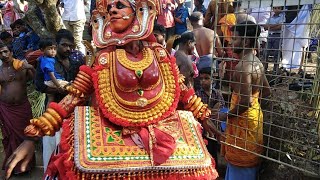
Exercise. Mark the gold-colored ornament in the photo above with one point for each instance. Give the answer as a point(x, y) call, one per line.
point(145, 62)
point(162, 53)
point(108, 34)
point(142, 102)
point(135, 28)
point(114, 106)
point(103, 60)
point(114, 82)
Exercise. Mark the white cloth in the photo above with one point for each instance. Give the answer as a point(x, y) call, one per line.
point(295, 38)
point(206, 3)
point(73, 10)
point(49, 144)
point(261, 15)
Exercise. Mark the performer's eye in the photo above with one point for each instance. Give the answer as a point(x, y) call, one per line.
point(119, 5)
point(109, 7)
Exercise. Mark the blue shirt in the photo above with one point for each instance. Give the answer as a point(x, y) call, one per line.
point(76, 59)
point(276, 20)
point(19, 46)
point(47, 66)
point(183, 12)
point(203, 10)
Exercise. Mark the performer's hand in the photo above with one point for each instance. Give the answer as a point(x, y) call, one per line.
point(23, 154)
point(219, 116)
point(211, 129)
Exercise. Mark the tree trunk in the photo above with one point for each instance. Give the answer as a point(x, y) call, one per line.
point(53, 21)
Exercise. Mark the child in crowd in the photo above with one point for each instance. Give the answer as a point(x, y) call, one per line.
point(47, 62)
point(274, 27)
point(216, 101)
point(180, 17)
point(20, 41)
point(159, 32)
point(6, 38)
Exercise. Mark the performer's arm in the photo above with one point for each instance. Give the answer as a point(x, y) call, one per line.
point(192, 102)
point(51, 120)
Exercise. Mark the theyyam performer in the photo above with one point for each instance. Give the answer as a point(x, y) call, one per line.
point(131, 128)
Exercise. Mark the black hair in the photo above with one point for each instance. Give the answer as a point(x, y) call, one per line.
point(184, 38)
point(17, 22)
point(248, 30)
point(46, 42)
point(160, 28)
point(281, 7)
point(205, 70)
point(4, 35)
point(201, 1)
point(64, 34)
point(2, 45)
point(195, 16)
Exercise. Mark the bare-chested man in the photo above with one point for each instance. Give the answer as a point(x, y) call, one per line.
point(206, 41)
point(245, 118)
point(15, 109)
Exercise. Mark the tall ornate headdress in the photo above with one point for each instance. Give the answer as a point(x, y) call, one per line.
point(141, 28)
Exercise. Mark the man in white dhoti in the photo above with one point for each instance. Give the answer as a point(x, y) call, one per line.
point(295, 38)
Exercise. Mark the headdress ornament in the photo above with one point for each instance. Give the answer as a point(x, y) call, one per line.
point(141, 28)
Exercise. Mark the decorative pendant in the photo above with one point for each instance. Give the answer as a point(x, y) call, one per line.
point(140, 92)
point(144, 63)
point(139, 73)
point(108, 34)
point(142, 102)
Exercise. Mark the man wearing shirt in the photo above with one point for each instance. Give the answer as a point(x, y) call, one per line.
point(74, 19)
point(274, 27)
point(180, 17)
point(67, 64)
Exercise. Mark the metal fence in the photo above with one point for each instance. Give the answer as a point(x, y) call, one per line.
point(291, 132)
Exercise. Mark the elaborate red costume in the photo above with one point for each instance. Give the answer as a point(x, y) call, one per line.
point(132, 130)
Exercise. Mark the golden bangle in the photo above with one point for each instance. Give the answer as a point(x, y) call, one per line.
point(38, 123)
point(47, 123)
point(196, 111)
point(206, 114)
point(84, 78)
point(203, 108)
point(51, 119)
point(195, 104)
point(84, 74)
point(54, 114)
point(41, 126)
point(79, 86)
point(190, 103)
point(83, 82)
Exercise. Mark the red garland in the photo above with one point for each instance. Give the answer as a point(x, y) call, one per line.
point(86, 69)
point(187, 95)
point(57, 107)
point(125, 123)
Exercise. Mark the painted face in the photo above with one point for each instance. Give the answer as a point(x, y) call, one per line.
point(65, 47)
point(121, 15)
point(237, 42)
point(5, 54)
point(50, 51)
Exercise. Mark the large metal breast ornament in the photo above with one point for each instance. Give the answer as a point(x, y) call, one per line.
point(141, 27)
